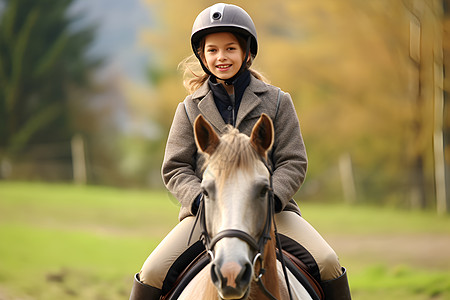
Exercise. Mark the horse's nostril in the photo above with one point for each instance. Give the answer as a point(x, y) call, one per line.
point(245, 275)
point(215, 274)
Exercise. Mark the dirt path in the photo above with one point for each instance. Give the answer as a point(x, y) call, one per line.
point(426, 251)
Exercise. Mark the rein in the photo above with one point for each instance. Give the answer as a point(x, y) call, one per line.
point(236, 233)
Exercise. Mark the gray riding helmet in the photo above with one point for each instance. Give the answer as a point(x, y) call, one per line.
point(223, 17)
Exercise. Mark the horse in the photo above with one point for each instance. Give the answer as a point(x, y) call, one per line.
point(236, 217)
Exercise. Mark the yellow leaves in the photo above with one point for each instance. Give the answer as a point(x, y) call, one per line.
point(140, 98)
point(345, 63)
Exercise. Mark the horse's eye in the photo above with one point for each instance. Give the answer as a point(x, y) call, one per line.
point(264, 191)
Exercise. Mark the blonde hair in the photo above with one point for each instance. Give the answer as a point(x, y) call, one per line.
point(194, 76)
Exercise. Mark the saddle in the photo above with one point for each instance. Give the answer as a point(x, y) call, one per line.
point(297, 259)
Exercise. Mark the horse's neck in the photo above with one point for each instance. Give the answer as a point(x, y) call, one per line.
point(200, 287)
point(270, 278)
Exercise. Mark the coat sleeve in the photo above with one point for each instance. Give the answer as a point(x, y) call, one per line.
point(288, 154)
point(179, 164)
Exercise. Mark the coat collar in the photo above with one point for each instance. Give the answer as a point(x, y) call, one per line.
point(250, 100)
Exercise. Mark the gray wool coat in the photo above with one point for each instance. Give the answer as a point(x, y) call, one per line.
point(181, 169)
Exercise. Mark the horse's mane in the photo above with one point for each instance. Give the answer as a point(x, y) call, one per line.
point(234, 152)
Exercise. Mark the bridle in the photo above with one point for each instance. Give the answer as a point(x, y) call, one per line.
point(257, 245)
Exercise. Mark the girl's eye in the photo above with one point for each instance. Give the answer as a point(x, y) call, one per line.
point(211, 50)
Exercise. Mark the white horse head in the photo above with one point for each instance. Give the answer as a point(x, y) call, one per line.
point(236, 185)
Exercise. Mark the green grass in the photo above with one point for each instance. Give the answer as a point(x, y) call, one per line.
point(335, 218)
point(70, 242)
point(44, 263)
point(400, 282)
point(60, 241)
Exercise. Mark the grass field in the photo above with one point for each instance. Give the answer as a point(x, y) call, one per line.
point(69, 242)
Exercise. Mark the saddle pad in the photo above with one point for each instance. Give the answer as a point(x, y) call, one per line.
point(295, 266)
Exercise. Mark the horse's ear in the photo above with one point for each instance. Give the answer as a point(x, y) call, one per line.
point(206, 138)
point(262, 135)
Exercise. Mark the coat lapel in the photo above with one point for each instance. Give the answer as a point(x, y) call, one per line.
point(208, 107)
point(252, 98)
point(209, 110)
point(248, 103)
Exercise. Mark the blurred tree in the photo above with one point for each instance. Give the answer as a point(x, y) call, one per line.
point(341, 61)
point(427, 45)
point(42, 58)
point(446, 86)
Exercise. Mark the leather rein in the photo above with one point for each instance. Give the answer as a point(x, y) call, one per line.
point(257, 245)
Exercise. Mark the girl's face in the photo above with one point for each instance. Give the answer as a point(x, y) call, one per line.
point(223, 54)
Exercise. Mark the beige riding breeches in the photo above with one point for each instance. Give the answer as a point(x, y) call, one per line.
point(288, 223)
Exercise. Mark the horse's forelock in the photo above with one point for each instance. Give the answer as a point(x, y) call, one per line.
point(234, 152)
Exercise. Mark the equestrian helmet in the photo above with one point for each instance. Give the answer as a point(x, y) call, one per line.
point(224, 18)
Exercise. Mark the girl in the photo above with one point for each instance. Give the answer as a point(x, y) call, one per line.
point(225, 42)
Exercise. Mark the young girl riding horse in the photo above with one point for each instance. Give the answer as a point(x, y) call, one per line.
point(229, 92)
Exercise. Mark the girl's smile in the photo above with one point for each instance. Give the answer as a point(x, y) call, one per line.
point(224, 67)
point(223, 54)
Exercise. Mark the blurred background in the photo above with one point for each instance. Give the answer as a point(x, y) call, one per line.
point(88, 91)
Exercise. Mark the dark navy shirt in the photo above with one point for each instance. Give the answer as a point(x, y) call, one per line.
point(228, 105)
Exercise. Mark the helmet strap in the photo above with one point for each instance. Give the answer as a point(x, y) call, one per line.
point(231, 80)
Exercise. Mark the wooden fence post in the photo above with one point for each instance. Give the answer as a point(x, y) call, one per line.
point(78, 160)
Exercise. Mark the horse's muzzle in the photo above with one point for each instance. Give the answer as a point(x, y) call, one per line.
point(232, 279)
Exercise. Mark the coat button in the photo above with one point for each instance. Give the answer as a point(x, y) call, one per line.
point(230, 107)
